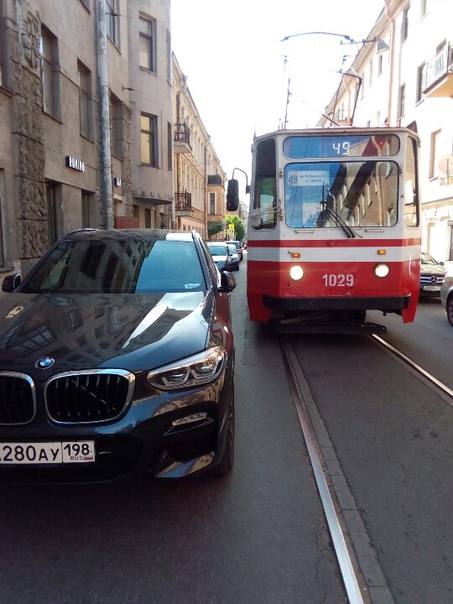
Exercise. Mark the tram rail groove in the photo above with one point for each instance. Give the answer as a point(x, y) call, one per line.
point(445, 392)
point(362, 575)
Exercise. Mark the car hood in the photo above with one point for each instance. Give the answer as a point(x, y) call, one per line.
point(132, 332)
point(432, 269)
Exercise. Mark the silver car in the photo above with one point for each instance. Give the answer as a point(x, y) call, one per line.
point(446, 295)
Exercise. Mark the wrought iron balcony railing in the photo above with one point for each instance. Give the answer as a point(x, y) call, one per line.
point(183, 201)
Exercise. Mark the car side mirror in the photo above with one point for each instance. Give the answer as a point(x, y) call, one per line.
point(11, 282)
point(227, 281)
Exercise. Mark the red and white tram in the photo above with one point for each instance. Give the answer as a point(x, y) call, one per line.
point(334, 227)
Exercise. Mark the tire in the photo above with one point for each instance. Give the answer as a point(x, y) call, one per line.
point(224, 467)
point(449, 309)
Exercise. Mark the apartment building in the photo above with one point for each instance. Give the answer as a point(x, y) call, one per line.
point(86, 125)
point(403, 76)
point(199, 179)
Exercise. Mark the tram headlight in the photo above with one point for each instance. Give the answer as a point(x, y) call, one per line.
point(381, 270)
point(296, 273)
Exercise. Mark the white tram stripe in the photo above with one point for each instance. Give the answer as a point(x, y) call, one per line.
point(333, 254)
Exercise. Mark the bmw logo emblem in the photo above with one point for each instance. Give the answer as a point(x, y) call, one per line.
point(45, 363)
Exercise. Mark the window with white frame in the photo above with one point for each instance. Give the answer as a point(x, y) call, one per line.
point(405, 24)
point(420, 82)
point(147, 44)
point(434, 153)
point(401, 101)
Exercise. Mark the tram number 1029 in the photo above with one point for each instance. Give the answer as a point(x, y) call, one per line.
point(338, 280)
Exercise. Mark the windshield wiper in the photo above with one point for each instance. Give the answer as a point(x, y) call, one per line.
point(351, 234)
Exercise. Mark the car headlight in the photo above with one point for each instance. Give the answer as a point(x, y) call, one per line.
point(199, 369)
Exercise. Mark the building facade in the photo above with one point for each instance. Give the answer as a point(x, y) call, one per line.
point(404, 77)
point(199, 179)
point(86, 123)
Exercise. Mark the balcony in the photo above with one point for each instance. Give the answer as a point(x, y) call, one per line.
point(181, 138)
point(438, 74)
point(215, 180)
point(183, 203)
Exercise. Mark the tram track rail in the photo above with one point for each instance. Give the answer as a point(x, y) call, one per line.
point(313, 433)
point(416, 369)
point(355, 554)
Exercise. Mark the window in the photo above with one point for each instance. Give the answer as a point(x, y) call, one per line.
point(212, 203)
point(380, 64)
point(405, 24)
point(52, 209)
point(147, 44)
point(49, 73)
point(401, 101)
point(420, 82)
point(2, 66)
point(411, 205)
point(147, 218)
point(423, 8)
point(148, 138)
point(116, 126)
point(112, 15)
point(85, 113)
point(169, 147)
point(169, 60)
point(264, 212)
point(434, 153)
point(88, 210)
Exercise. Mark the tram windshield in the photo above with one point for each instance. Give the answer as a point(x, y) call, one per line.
point(339, 194)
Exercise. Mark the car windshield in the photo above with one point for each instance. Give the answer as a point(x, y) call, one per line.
point(118, 267)
point(233, 249)
point(218, 250)
point(427, 259)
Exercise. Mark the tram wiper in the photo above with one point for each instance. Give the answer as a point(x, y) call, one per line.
point(328, 211)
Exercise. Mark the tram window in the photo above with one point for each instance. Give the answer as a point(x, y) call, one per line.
point(325, 194)
point(411, 202)
point(264, 211)
point(266, 204)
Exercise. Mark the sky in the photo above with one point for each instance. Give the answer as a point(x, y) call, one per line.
point(239, 69)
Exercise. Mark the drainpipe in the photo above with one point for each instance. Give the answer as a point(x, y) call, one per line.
point(392, 71)
point(104, 116)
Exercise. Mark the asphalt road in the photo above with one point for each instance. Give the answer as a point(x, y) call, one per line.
point(261, 535)
point(258, 536)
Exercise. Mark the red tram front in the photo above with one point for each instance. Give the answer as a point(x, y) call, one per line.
point(334, 227)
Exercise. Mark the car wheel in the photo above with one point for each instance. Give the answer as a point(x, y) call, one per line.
point(225, 465)
point(449, 308)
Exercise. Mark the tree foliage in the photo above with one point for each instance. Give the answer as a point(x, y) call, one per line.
point(215, 227)
point(237, 225)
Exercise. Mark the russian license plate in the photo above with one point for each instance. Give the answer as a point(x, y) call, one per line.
point(431, 288)
point(81, 451)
